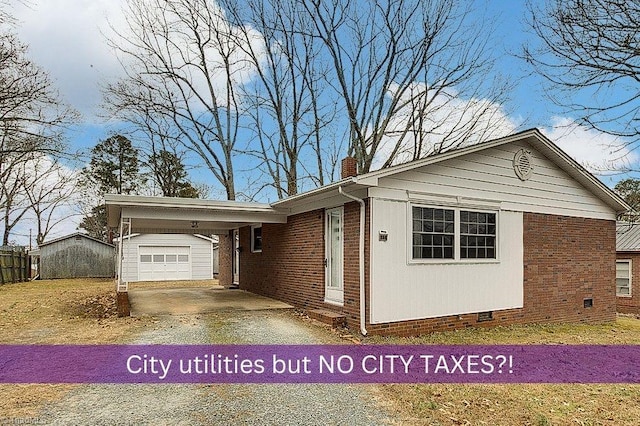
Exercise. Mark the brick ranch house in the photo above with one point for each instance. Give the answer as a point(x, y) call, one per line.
point(509, 231)
point(628, 267)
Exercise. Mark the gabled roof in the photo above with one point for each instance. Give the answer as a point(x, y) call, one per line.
point(532, 136)
point(176, 214)
point(75, 234)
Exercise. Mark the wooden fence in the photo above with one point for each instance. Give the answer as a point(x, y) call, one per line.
point(14, 266)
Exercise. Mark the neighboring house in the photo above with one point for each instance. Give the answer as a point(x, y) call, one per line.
point(628, 267)
point(76, 256)
point(169, 257)
point(508, 231)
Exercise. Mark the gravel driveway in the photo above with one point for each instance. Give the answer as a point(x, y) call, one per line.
point(268, 404)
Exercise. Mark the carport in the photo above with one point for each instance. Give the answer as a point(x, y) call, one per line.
point(197, 300)
point(166, 215)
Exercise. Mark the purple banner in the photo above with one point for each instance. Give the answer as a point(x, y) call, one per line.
point(318, 364)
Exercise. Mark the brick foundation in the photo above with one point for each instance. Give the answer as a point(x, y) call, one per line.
point(566, 260)
point(630, 305)
point(122, 302)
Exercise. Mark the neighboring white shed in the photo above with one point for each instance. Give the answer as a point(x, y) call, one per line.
point(168, 257)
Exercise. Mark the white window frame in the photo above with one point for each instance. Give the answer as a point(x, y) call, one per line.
point(253, 248)
point(628, 261)
point(456, 223)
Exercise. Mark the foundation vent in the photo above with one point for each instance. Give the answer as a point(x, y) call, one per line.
point(485, 316)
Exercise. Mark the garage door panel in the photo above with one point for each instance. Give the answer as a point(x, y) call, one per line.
point(164, 263)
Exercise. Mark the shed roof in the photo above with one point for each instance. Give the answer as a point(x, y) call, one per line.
point(627, 236)
point(75, 234)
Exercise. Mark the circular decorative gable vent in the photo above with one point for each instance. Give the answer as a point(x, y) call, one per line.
point(522, 164)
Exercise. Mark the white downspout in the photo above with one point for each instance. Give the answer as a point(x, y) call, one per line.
point(363, 310)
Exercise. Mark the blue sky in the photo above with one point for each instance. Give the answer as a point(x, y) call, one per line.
point(65, 38)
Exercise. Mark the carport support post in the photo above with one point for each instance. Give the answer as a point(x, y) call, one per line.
point(122, 287)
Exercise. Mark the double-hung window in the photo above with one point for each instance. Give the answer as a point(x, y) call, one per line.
point(256, 239)
point(477, 235)
point(453, 233)
point(623, 278)
point(433, 233)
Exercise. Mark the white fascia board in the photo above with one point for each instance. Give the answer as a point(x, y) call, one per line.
point(182, 203)
point(202, 215)
point(316, 197)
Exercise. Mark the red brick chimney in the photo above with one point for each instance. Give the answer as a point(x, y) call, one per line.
point(349, 167)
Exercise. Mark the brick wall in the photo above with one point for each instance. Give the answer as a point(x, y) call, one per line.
point(351, 307)
point(631, 305)
point(567, 260)
point(291, 265)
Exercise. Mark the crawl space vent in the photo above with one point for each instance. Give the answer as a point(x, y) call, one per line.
point(522, 164)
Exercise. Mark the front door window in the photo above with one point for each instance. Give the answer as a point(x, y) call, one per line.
point(334, 288)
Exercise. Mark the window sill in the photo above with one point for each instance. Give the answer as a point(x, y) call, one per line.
point(626, 296)
point(454, 262)
point(333, 302)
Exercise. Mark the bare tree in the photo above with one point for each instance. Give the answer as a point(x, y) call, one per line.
point(588, 52)
point(51, 197)
point(398, 65)
point(288, 116)
point(13, 206)
point(32, 117)
point(38, 190)
point(32, 122)
point(183, 64)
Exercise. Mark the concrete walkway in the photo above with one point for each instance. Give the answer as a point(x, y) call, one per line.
point(194, 300)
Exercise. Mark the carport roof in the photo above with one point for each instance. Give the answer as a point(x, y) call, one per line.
point(186, 215)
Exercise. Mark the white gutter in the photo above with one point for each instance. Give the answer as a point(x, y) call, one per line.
point(363, 310)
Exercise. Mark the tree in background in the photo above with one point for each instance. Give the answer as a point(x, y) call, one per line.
point(286, 103)
point(629, 190)
point(168, 172)
point(300, 80)
point(589, 54)
point(183, 66)
point(400, 68)
point(114, 169)
point(32, 123)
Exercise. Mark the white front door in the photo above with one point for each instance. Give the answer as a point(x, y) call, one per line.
point(236, 256)
point(334, 256)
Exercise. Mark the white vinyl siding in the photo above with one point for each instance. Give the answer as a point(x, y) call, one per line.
point(405, 290)
point(200, 256)
point(490, 175)
point(623, 278)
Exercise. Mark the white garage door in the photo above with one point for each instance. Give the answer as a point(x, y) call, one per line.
point(162, 263)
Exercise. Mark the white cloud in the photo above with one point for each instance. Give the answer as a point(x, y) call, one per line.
point(598, 152)
point(450, 121)
point(65, 37)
